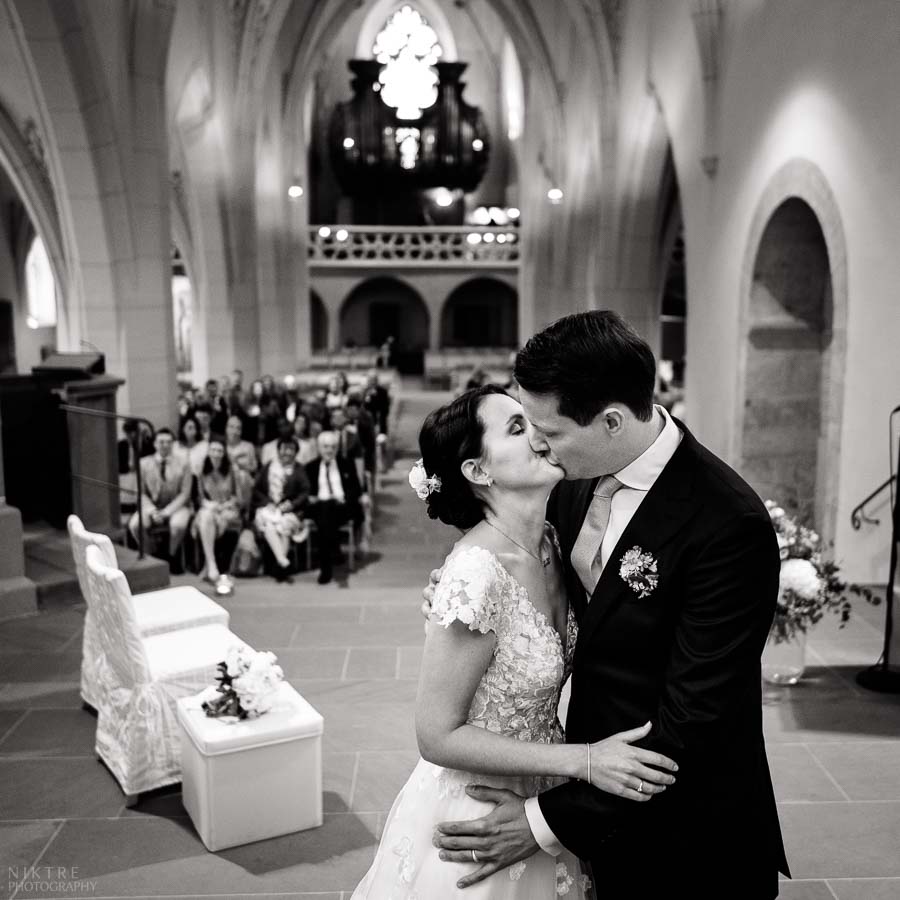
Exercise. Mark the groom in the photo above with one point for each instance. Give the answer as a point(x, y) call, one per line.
point(672, 567)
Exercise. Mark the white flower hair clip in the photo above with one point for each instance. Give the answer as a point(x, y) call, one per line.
point(421, 482)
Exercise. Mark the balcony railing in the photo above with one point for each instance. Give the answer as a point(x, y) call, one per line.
point(464, 247)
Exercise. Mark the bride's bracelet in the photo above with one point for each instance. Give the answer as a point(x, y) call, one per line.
point(589, 763)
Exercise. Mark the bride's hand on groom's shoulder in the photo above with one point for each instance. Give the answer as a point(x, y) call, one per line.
point(428, 593)
point(626, 771)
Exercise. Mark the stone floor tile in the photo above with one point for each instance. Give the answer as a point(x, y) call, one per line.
point(40, 666)
point(797, 776)
point(351, 692)
point(21, 843)
point(165, 802)
point(812, 719)
point(406, 613)
point(864, 771)
point(45, 632)
point(52, 732)
point(803, 890)
point(338, 770)
point(379, 777)
point(379, 634)
point(44, 694)
point(57, 788)
point(311, 662)
point(156, 857)
point(8, 718)
point(865, 888)
point(372, 662)
point(841, 840)
point(379, 727)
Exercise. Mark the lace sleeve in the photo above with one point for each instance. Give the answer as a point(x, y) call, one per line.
point(467, 591)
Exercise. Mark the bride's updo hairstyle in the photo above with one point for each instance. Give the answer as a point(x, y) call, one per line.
point(449, 436)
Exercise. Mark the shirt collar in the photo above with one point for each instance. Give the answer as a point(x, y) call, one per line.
point(641, 473)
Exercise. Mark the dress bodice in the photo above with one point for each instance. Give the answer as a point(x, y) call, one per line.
point(518, 695)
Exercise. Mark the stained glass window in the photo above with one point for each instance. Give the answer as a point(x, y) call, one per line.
point(40, 286)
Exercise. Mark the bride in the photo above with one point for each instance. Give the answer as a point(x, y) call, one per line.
point(499, 646)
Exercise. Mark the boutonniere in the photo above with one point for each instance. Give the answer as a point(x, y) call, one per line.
point(638, 571)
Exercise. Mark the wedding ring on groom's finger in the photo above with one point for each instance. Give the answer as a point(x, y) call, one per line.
point(474, 857)
point(640, 788)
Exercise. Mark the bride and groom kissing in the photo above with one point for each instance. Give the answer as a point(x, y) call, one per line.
point(602, 541)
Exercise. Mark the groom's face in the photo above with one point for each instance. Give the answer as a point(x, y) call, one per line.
point(581, 451)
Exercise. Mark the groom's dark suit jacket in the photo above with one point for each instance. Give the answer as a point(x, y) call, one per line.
point(686, 657)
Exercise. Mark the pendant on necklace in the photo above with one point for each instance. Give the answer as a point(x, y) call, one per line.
point(545, 561)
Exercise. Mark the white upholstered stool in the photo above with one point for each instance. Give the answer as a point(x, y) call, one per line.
point(254, 779)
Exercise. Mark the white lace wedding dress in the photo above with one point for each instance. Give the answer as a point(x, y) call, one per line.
point(517, 696)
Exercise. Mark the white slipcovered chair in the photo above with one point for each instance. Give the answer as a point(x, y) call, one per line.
point(140, 681)
point(156, 612)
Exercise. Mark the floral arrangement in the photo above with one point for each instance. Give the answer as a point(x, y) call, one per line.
point(810, 584)
point(639, 571)
point(421, 482)
point(247, 684)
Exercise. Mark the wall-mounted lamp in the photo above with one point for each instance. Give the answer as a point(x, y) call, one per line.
point(295, 192)
point(555, 195)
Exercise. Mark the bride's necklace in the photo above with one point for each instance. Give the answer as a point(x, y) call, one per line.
point(544, 561)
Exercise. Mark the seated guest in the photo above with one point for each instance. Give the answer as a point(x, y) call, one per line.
point(241, 453)
point(166, 492)
point(361, 419)
point(218, 406)
point(203, 414)
point(377, 401)
point(218, 506)
point(335, 499)
point(133, 433)
point(279, 496)
point(189, 446)
point(337, 391)
point(305, 439)
point(269, 450)
point(349, 445)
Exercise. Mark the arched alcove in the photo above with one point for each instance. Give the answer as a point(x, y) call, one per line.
point(318, 323)
point(483, 312)
point(789, 337)
point(382, 308)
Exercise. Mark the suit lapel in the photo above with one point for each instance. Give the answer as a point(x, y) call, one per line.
point(662, 514)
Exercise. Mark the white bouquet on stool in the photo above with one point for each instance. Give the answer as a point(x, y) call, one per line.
point(248, 684)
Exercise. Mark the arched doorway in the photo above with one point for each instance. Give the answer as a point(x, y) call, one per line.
point(787, 362)
point(386, 308)
point(483, 312)
point(318, 323)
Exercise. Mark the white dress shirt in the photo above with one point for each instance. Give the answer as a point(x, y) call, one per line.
point(330, 485)
point(637, 478)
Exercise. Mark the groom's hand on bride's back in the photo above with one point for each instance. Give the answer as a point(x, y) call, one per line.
point(428, 593)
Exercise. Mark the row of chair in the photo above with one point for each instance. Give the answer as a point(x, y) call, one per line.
point(140, 654)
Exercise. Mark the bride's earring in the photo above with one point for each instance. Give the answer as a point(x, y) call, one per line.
point(489, 481)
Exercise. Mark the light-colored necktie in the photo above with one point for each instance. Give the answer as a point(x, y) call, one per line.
point(586, 552)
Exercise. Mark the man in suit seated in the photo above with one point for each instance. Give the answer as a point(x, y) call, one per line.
point(166, 482)
point(334, 499)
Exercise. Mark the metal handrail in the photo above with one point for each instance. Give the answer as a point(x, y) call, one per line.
point(857, 517)
point(138, 490)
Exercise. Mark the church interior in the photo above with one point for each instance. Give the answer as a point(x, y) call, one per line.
point(233, 223)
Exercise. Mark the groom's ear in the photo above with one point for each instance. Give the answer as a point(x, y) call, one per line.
point(613, 420)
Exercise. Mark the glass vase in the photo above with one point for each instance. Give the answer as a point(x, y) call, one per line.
point(783, 661)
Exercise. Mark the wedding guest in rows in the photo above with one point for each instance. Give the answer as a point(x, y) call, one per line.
point(334, 501)
point(336, 395)
point(218, 407)
point(190, 446)
point(218, 507)
point(377, 401)
point(133, 432)
point(349, 447)
point(279, 497)
point(253, 413)
point(166, 493)
point(306, 440)
point(361, 420)
point(241, 453)
point(203, 414)
point(269, 450)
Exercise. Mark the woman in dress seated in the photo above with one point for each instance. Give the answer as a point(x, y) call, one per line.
point(218, 507)
point(279, 496)
point(306, 440)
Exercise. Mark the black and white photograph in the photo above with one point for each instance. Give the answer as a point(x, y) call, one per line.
point(450, 449)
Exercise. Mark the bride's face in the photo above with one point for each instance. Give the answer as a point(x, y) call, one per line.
point(508, 457)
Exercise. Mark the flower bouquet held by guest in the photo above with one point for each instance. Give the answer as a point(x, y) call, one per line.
point(279, 496)
point(499, 645)
point(218, 504)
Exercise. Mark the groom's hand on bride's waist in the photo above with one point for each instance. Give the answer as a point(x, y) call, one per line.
point(499, 839)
